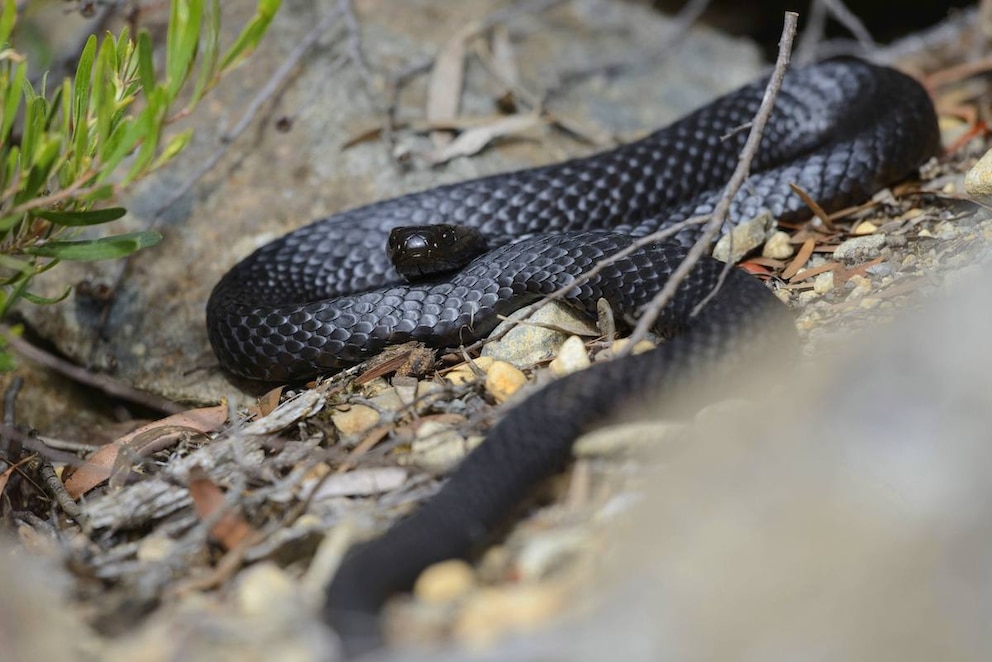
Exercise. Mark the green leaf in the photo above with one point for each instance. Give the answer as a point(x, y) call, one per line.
point(175, 145)
point(146, 68)
point(99, 193)
point(82, 218)
point(124, 139)
point(249, 38)
point(181, 42)
point(41, 170)
point(106, 248)
point(7, 17)
point(102, 103)
point(122, 44)
point(81, 83)
point(210, 54)
point(154, 117)
point(34, 123)
point(12, 101)
point(45, 301)
point(16, 264)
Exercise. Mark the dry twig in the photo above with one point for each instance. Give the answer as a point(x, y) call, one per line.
point(105, 383)
point(713, 226)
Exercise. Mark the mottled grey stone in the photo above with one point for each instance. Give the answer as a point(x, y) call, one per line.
point(271, 181)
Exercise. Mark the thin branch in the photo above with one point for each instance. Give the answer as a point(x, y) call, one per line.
point(704, 243)
point(105, 383)
point(843, 15)
point(11, 448)
point(639, 243)
point(812, 45)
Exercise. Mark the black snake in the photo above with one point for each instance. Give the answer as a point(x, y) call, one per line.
point(326, 295)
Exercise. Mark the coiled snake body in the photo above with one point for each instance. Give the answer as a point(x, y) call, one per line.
point(326, 296)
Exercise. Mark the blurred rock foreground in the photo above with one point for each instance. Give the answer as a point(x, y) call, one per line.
point(292, 165)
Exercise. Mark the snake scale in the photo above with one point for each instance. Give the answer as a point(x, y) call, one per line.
point(326, 296)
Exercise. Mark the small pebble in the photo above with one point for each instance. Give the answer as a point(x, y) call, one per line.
point(493, 612)
point(444, 582)
point(503, 380)
point(978, 181)
point(627, 437)
point(880, 269)
point(263, 586)
point(572, 357)
point(778, 247)
point(946, 230)
point(545, 552)
point(824, 282)
point(355, 420)
point(618, 345)
point(865, 227)
point(861, 286)
point(859, 249)
point(532, 340)
point(438, 447)
point(156, 548)
point(744, 238)
point(466, 373)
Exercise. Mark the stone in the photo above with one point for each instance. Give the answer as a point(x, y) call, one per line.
point(859, 249)
point(503, 380)
point(865, 227)
point(624, 438)
point(572, 357)
point(353, 420)
point(539, 336)
point(860, 286)
point(745, 237)
point(444, 582)
point(978, 181)
point(262, 584)
point(466, 373)
point(778, 247)
point(493, 612)
point(823, 283)
point(438, 447)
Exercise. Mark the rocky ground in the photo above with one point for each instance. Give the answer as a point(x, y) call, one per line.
point(240, 512)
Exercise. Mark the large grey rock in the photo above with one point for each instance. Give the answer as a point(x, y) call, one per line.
point(271, 181)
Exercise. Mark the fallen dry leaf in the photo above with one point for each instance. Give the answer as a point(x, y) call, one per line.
point(444, 88)
point(815, 271)
point(230, 528)
point(100, 465)
point(814, 206)
point(804, 253)
point(268, 402)
point(474, 140)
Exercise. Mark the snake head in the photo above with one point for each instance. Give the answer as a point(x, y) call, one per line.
point(420, 251)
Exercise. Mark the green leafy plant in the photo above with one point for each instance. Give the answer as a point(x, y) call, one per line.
point(65, 152)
